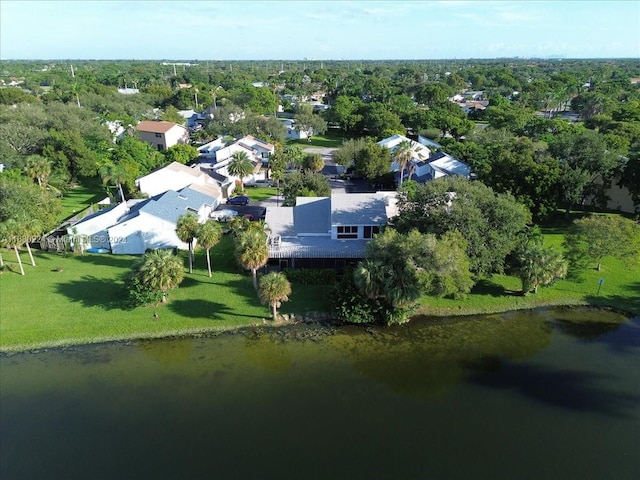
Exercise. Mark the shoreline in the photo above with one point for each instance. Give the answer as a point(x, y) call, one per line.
point(288, 320)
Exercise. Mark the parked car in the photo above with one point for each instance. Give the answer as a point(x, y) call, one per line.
point(238, 200)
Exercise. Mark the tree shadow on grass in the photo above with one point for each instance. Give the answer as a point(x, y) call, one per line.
point(91, 291)
point(198, 308)
point(105, 260)
point(487, 287)
point(571, 390)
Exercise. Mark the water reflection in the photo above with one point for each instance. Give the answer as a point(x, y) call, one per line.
point(458, 398)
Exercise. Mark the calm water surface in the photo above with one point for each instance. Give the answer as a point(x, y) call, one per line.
point(552, 394)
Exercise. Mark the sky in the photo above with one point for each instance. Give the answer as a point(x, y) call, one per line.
point(319, 30)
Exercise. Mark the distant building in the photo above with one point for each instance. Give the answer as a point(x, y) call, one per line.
point(162, 135)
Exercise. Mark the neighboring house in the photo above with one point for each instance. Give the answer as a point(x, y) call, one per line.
point(92, 230)
point(153, 224)
point(444, 165)
point(116, 128)
point(134, 227)
point(420, 153)
point(424, 165)
point(326, 232)
point(292, 133)
point(190, 117)
point(162, 135)
point(176, 176)
point(257, 149)
point(429, 143)
point(208, 150)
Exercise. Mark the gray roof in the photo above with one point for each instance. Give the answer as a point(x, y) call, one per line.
point(171, 205)
point(312, 215)
point(358, 209)
point(317, 247)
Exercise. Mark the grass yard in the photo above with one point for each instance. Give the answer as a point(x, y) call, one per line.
point(258, 194)
point(621, 287)
point(84, 303)
point(81, 196)
point(329, 140)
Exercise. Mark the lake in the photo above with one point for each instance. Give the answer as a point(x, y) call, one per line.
point(546, 394)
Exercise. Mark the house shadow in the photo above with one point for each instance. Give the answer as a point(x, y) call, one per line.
point(92, 291)
point(199, 308)
point(570, 390)
point(106, 260)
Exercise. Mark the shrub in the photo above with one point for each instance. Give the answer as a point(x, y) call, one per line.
point(312, 276)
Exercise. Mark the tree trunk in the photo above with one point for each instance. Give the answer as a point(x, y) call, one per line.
point(274, 311)
point(599, 265)
point(535, 289)
point(121, 192)
point(191, 257)
point(208, 263)
point(164, 297)
point(1, 261)
point(254, 272)
point(33, 262)
point(19, 260)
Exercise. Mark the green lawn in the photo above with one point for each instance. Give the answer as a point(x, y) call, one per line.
point(81, 196)
point(258, 194)
point(83, 303)
point(330, 140)
point(620, 289)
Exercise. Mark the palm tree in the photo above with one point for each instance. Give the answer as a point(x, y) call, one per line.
point(252, 251)
point(240, 166)
point(274, 288)
point(38, 168)
point(209, 234)
point(159, 271)
point(114, 172)
point(402, 156)
point(540, 266)
point(187, 229)
point(10, 237)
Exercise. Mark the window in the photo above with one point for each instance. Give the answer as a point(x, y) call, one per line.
point(158, 135)
point(370, 231)
point(348, 232)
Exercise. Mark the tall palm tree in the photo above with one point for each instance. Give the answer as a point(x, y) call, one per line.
point(114, 172)
point(187, 229)
point(10, 237)
point(240, 166)
point(209, 234)
point(159, 271)
point(402, 156)
point(252, 251)
point(38, 168)
point(540, 266)
point(274, 288)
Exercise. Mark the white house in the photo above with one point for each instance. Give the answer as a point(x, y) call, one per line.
point(176, 176)
point(152, 223)
point(442, 165)
point(162, 135)
point(326, 231)
point(419, 153)
point(425, 165)
point(138, 225)
point(292, 132)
